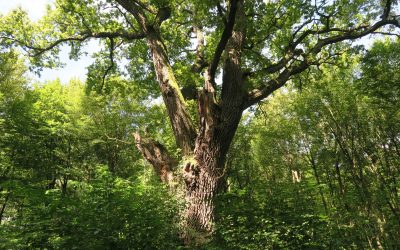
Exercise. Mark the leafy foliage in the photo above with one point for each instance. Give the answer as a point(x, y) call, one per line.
point(68, 178)
point(317, 168)
point(106, 212)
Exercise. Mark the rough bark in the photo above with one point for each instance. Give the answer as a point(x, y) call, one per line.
point(202, 177)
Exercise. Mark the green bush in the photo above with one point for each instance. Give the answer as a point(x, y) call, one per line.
point(106, 213)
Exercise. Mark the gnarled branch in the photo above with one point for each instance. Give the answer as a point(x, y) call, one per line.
point(258, 94)
point(78, 38)
point(157, 155)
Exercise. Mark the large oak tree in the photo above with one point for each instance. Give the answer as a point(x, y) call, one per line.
point(224, 55)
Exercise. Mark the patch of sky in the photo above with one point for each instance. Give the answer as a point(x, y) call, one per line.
point(72, 69)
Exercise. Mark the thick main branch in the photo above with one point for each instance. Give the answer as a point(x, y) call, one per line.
point(181, 122)
point(226, 34)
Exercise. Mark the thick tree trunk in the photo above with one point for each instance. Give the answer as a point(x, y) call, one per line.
point(202, 174)
point(201, 177)
point(203, 151)
point(201, 188)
